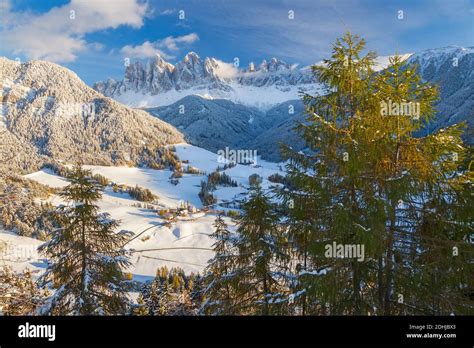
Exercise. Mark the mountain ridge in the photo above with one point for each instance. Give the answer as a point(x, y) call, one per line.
point(157, 83)
point(49, 113)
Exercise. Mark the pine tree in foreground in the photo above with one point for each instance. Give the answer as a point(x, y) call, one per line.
point(366, 180)
point(220, 285)
point(260, 264)
point(425, 264)
point(323, 199)
point(85, 254)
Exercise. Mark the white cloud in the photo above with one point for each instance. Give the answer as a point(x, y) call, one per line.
point(226, 70)
point(161, 47)
point(145, 50)
point(58, 35)
point(172, 42)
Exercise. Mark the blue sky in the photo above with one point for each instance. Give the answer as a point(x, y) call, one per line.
point(98, 35)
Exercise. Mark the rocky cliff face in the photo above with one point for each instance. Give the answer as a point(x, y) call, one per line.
point(166, 83)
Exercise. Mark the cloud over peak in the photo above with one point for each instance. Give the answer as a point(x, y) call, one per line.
point(164, 47)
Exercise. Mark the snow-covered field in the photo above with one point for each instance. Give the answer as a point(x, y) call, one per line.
point(189, 185)
point(47, 177)
point(20, 252)
point(184, 242)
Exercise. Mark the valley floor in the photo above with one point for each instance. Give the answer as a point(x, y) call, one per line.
point(156, 240)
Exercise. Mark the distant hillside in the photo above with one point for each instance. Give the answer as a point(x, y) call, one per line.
point(213, 123)
point(452, 68)
point(47, 113)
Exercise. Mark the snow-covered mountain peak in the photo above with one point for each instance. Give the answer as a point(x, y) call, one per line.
point(277, 65)
point(448, 50)
point(251, 67)
point(164, 83)
point(192, 57)
point(434, 58)
point(273, 81)
point(159, 62)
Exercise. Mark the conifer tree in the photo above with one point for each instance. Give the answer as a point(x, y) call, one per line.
point(168, 294)
point(219, 282)
point(140, 309)
point(260, 262)
point(165, 298)
point(85, 253)
point(196, 287)
point(417, 180)
point(19, 294)
point(323, 198)
point(367, 180)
